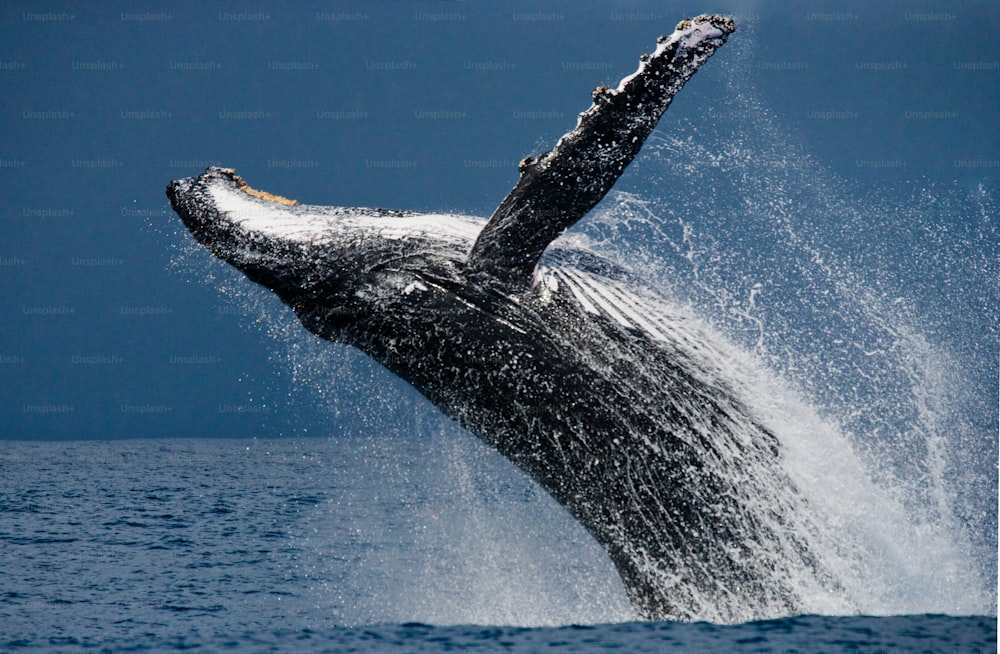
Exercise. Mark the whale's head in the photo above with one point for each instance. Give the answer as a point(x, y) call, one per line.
point(327, 263)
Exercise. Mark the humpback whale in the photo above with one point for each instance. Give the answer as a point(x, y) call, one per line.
point(554, 356)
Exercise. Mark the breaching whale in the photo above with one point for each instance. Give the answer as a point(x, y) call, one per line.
point(551, 354)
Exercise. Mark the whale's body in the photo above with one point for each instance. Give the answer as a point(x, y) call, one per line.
point(552, 355)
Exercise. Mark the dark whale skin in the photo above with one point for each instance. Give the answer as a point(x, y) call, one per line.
point(614, 403)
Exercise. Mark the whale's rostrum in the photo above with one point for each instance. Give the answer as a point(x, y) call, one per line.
point(555, 357)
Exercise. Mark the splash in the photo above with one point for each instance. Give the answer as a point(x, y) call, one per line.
point(878, 388)
point(863, 319)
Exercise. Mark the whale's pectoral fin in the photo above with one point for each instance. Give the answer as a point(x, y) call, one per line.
point(559, 187)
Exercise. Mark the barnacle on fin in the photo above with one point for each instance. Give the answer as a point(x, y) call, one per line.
point(722, 22)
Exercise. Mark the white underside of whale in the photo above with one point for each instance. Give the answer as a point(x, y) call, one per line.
point(316, 225)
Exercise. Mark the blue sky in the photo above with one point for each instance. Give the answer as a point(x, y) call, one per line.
point(418, 105)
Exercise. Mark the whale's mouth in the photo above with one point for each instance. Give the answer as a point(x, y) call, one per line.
point(260, 233)
point(176, 187)
point(317, 258)
point(219, 203)
point(263, 195)
point(251, 228)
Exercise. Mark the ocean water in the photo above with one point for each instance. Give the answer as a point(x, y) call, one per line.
point(823, 194)
point(340, 544)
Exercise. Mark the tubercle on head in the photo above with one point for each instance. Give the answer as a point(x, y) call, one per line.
point(263, 195)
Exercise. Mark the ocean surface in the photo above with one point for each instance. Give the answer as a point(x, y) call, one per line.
point(823, 193)
point(340, 544)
